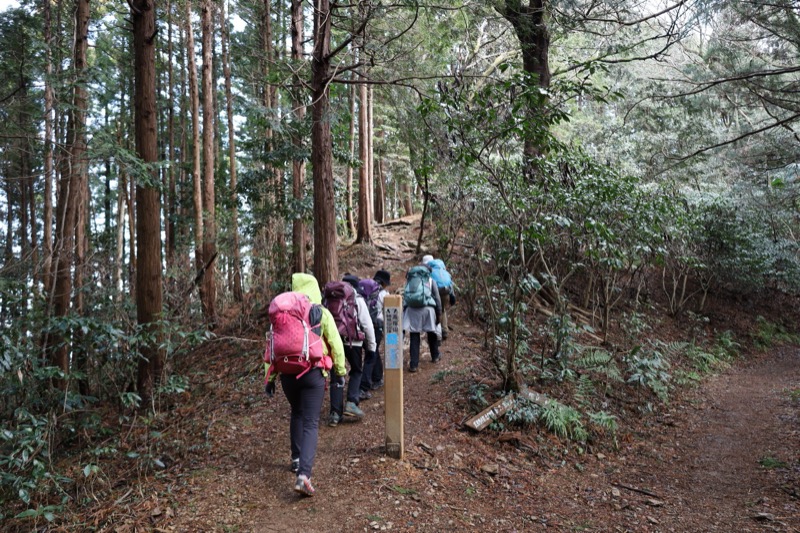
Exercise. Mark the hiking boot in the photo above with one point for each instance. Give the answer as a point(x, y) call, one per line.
point(351, 410)
point(413, 369)
point(377, 385)
point(364, 395)
point(436, 359)
point(303, 486)
point(334, 419)
point(295, 466)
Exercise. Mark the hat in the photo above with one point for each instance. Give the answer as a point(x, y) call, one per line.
point(383, 277)
point(351, 279)
point(426, 259)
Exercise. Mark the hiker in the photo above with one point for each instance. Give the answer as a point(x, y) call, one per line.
point(374, 291)
point(355, 326)
point(422, 310)
point(305, 390)
point(447, 293)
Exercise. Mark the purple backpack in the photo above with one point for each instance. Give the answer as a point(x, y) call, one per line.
point(370, 289)
point(339, 298)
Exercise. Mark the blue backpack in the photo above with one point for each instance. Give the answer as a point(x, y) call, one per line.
point(440, 274)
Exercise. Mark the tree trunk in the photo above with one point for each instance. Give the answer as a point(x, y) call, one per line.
point(370, 159)
point(208, 283)
point(49, 103)
point(530, 25)
point(171, 192)
point(407, 196)
point(70, 191)
point(298, 165)
point(148, 205)
point(351, 219)
point(197, 185)
point(363, 235)
point(380, 194)
point(326, 265)
point(237, 272)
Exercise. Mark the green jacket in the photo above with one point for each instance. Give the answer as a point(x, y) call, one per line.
point(307, 284)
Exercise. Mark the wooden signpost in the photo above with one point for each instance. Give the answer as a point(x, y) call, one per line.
point(393, 374)
point(502, 406)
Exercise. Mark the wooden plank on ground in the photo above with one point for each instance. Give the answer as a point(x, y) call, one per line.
point(491, 413)
point(502, 406)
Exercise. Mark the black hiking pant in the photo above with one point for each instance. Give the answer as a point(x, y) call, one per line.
point(305, 396)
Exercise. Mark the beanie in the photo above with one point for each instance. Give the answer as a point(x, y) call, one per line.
point(383, 277)
point(351, 279)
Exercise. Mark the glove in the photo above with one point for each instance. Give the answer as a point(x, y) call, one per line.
point(452, 299)
point(269, 389)
point(337, 380)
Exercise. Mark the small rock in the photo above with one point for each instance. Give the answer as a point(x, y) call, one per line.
point(491, 469)
point(615, 492)
point(764, 517)
point(652, 520)
point(654, 503)
point(601, 456)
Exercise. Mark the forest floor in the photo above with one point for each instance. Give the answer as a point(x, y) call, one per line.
point(720, 456)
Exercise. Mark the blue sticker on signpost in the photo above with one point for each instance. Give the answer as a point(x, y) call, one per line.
point(393, 351)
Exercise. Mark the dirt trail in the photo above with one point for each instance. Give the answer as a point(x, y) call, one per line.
point(713, 458)
point(699, 460)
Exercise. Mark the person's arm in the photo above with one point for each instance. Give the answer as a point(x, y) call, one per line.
point(365, 321)
point(436, 297)
point(381, 296)
point(331, 335)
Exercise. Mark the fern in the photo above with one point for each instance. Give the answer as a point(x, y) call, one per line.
point(585, 390)
point(601, 362)
point(605, 421)
point(564, 421)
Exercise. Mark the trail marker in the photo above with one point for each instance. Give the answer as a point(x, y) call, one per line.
point(393, 374)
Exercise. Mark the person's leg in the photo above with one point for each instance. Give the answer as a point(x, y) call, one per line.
point(292, 390)
point(414, 351)
point(353, 355)
point(433, 344)
point(369, 365)
point(377, 367)
point(337, 400)
point(313, 392)
point(444, 295)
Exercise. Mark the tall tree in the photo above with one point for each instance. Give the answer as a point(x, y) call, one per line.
point(364, 212)
point(351, 145)
point(148, 204)
point(226, 68)
point(49, 103)
point(74, 167)
point(197, 184)
point(209, 283)
point(326, 265)
point(299, 260)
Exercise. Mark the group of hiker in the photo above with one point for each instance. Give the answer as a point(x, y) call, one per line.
point(315, 334)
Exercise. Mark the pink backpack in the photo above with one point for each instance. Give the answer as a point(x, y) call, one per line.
point(294, 345)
